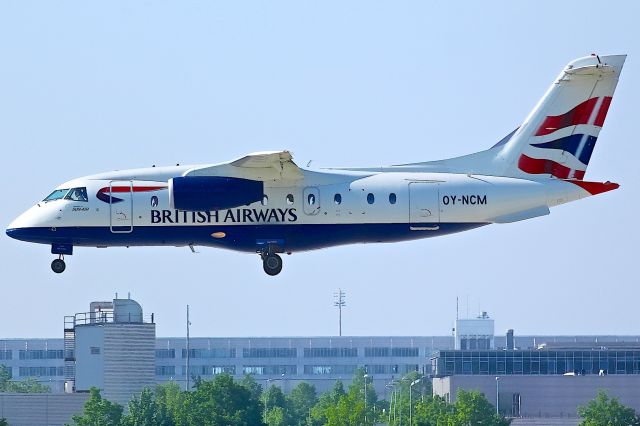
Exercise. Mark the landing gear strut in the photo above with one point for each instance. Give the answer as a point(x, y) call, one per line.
point(271, 262)
point(58, 266)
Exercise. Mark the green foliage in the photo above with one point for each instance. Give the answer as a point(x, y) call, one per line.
point(24, 386)
point(3, 422)
point(222, 402)
point(605, 411)
point(99, 412)
point(249, 382)
point(472, 408)
point(300, 402)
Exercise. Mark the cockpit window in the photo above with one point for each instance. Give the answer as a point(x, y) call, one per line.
point(57, 194)
point(77, 194)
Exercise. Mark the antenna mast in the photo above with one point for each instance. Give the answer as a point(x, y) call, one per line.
point(339, 296)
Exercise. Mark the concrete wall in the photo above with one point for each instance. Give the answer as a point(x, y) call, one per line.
point(545, 396)
point(40, 409)
point(89, 367)
point(129, 360)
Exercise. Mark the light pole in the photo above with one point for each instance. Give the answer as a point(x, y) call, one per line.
point(497, 399)
point(266, 401)
point(415, 382)
point(365, 377)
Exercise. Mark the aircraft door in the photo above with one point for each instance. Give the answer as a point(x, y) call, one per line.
point(121, 206)
point(311, 200)
point(424, 206)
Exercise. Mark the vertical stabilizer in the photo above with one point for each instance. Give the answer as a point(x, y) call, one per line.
point(559, 135)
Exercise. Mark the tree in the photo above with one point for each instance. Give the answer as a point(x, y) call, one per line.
point(170, 403)
point(249, 382)
point(274, 403)
point(325, 402)
point(222, 402)
point(275, 417)
point(3, 422)
point(98, 411)
point(605, 411)
point(472, 408)
point(300, 402)
point(5, 377)
point(24, 386)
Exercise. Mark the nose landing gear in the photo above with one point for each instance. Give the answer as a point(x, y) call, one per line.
point(58, 266)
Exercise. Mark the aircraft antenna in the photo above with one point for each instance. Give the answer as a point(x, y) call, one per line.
point(339, 302)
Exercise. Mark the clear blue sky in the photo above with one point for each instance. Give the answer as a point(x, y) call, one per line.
point(87, 87)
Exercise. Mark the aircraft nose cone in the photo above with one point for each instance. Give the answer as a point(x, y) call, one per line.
point(17, 233)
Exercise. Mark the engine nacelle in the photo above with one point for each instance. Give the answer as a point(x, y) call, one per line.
point(206, 193)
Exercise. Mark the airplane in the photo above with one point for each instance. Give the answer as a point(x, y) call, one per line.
point(264, 203)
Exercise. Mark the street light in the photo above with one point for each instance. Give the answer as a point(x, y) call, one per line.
point(497, 399)
point(366, 376)
point(415, 382)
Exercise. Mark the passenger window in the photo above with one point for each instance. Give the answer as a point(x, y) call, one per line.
point(311, 199)
point(289, 199)
point(392, 198)
point(337, 199)
point(77, 194)
point(370, 198)
point(265, 200)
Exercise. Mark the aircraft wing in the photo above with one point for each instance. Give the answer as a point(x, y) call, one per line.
point(264, 166)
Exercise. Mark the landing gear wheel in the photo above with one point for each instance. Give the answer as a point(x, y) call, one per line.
point(58, 266)
point(272, 264)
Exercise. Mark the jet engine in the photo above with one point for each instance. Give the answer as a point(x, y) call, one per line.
point(206, 193)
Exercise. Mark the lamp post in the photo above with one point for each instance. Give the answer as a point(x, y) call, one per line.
point(365, 377)
point(415, 382)
point(497, 393)
point(266, 401)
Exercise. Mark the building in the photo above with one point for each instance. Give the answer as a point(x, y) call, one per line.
point(474, 333)
point(112, 348)
point(548, 382)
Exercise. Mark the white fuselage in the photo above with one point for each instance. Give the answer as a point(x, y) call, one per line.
point(322, 209)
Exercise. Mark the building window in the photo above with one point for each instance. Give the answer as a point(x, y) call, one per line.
point(376, 352)
point(370, 198)
point(210, 353)
point(289, 199)
point(318, 370)
point(165, 353)
point(337, 199)
point(6, 354)
point(330, 352)
point(404, 352)
point(95, 350)
point(270, 370)
point(269, 353)
point(41, 371)
point(165, 370)
point(220, 369)
point(392, 198)
point(40, 354)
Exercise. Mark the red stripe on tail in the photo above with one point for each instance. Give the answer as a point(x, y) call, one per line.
point(602, 114)
point(578, 115)
point(538, 166)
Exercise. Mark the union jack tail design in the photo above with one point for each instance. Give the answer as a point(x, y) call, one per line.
point(558, 137)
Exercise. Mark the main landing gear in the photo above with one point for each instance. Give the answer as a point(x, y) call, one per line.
point(58, 266)
point(271, 262)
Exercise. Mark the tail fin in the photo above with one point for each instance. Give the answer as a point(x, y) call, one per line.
point(558, 136)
